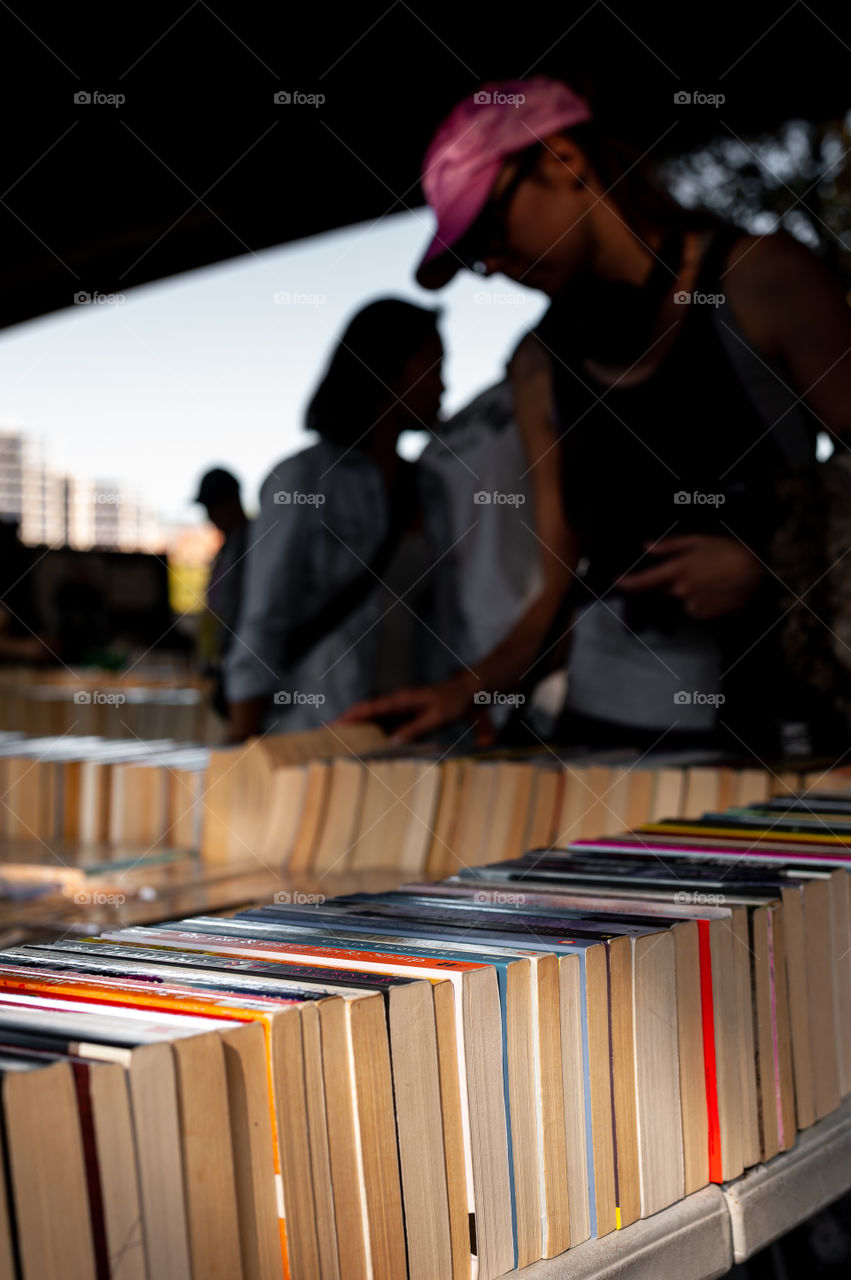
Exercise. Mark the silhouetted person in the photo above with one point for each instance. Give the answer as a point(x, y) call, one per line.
point(342, 600)
point(692, 366)
point(219, 494)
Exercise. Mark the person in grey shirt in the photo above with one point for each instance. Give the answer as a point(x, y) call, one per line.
point(348, 587)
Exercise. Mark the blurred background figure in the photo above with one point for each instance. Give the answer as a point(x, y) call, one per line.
point(218, 492)
point(19, 622)
point(478, 454)
point(345, 594)
point(79, 611)
point(506, 527)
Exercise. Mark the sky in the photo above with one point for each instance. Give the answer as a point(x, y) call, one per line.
point(216, 366)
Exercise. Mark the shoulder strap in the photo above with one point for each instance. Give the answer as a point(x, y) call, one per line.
point(713, 260)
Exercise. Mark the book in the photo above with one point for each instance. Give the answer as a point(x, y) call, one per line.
point(529, 993)
point(617, 983)
point(413, 1054)
point(47, 1172)
point(480, 1057)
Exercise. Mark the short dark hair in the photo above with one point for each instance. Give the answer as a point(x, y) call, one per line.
point(368, 359)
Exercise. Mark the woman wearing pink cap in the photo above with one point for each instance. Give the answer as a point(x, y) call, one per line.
point(693, 365)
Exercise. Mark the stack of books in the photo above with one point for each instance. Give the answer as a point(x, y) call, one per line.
point(412, 814)
point(142, 793)
point(144, 702)
point(94, 830)
point(337, 800)
point(85, 791)
point(449, 1080)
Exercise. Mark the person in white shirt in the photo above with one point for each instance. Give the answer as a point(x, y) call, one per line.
point(487, 455)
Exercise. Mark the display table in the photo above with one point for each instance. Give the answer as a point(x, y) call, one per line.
point(704, 1235)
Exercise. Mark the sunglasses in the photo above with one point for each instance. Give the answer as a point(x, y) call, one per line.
point(486, 236)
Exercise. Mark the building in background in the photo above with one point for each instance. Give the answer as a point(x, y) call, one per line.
point(30, 492)
point(60, 510)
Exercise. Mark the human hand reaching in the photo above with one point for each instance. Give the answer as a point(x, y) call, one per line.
point(712, 574)
point(425, 708)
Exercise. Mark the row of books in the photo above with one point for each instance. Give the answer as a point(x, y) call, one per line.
point(336, 800)
point(416, 815)
point(82, 791)
point(107, 704)
point(450, 1080)
point(146, 794)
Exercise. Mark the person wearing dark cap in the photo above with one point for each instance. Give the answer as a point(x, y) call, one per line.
point(693, 365)
point(219, 494)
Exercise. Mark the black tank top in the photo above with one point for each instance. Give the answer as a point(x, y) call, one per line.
point(684, 451)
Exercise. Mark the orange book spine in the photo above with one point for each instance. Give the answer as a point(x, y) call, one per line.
point(753, 836)
point(168, 999)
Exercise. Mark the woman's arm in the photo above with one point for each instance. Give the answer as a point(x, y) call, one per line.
point(430, 707)
point(531, 381)
point(791, 307)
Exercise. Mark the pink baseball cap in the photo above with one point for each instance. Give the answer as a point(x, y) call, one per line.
point(467, 152)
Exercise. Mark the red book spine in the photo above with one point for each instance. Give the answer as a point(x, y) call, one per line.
point(708, 1017)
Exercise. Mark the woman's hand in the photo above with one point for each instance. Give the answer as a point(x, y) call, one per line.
point(711, 574)
point(426, 708)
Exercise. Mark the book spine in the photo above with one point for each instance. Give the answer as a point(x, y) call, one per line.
point(708, 1016)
